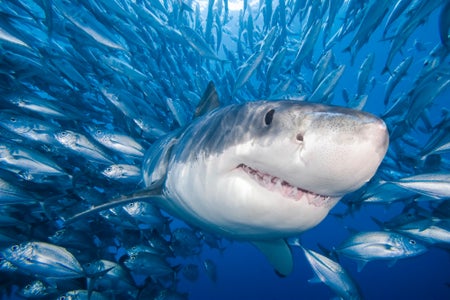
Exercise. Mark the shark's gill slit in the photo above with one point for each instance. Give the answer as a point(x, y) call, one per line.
point(273, 183)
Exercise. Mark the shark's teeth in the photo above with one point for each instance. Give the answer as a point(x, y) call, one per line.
point(273, 183)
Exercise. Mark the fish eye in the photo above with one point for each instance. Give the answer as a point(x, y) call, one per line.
point(299, 137)
point(12, 119)
point(269, 117)
point(412, 242)
point(15, 248)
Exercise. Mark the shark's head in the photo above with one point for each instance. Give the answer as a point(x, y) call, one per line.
point(265, 170)
point(327, 150)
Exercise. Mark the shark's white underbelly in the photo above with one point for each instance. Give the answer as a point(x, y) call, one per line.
point(210, 195)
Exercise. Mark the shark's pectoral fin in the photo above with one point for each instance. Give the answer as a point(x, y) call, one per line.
point(278, 253)
point(152, 194)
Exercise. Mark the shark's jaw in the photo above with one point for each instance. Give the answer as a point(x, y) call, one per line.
point(275, 184)
point(241, 201)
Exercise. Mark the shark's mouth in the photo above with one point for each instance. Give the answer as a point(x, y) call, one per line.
point(275, 184)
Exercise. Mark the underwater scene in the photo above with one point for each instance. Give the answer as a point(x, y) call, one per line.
point(224, 149)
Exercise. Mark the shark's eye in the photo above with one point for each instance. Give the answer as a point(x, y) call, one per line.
point(269, 117)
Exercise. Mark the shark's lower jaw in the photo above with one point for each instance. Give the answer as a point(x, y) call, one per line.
point(275, 184)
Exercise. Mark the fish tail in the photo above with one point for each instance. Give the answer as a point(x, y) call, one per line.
point(386, 69)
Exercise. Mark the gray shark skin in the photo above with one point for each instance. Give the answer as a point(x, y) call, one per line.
point(262, 171)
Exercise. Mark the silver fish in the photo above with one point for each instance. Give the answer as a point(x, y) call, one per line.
point(436, 185)
point(123, 173)
point(332, 274)
point(116, 141)
point(30, 128)
point(44, 260)
point(11, 194)
point(429, 231)
point(37, 289)
point(28, 164)
point(149, 264)
point(79, 144)
point(379, 245)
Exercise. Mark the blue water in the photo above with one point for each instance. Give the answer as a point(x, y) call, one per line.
point(243, 272)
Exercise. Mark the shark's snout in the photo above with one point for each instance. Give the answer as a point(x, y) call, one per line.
point(341, 150)
point(374, 131)
point(363, 127)
point(378, 132)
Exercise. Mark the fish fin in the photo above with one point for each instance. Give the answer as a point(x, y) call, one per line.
point(361, 264)
point(90, 286)
point(150, 194)
point(51, 282)
point(386, 69)
point(186, 7)
point(99, 274)
point(324, 250)
point(295, 241)
point(315, 279)
point(278, 253)
point(391, 263)
point(352, 230)
point(208, 102)
point(378, 222)
point(328, 253)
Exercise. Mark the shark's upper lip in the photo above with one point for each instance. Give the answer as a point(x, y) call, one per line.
point(273, 183)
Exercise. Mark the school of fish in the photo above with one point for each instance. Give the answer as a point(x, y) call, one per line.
point(87, 86)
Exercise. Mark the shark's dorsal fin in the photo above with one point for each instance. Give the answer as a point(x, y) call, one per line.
point(208, 102)
point(152, 194)
point(278, 253)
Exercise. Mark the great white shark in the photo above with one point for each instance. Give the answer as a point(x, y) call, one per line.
point(261, 171)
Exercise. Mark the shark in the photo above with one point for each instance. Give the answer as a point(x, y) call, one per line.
point(260, 171)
